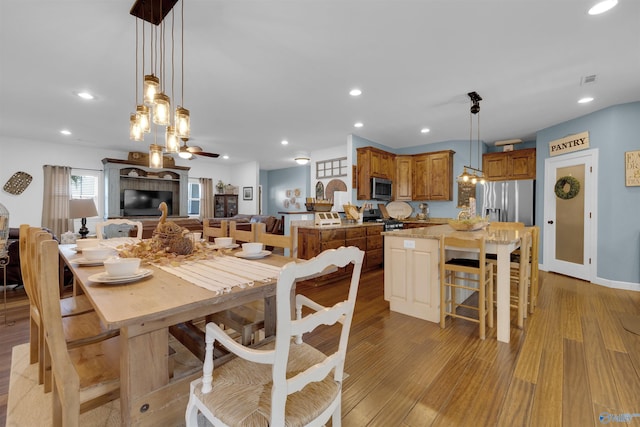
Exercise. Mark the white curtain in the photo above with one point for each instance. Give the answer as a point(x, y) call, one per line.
point(55, 201)
point(206, 198)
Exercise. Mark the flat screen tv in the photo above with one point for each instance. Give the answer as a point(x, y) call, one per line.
point(146, 202)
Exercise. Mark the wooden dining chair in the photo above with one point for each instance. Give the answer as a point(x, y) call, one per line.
point(461, 277)
point(209, 232)
point(79, 328)
point(286, 382)
point(101, 227)
point(534, 266)
point(288, 243)
point(242, 236)
point(84, 377)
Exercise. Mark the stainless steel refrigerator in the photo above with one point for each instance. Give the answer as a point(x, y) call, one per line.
point(512, 201)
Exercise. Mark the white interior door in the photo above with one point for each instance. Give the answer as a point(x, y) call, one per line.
point(570, 221)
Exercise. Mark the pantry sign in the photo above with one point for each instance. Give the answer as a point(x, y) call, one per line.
point(569, 144)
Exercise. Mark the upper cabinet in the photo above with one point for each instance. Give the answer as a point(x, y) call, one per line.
point(418, 177)
point(518, 164)
point(432, 176)
point(373, 163)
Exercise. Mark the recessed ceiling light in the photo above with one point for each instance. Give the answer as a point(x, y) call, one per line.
point(284, 142)
point(65, 132)
point(585, 100)
point(225, 157)
point(602, 7)
point(85, 95)
point(358, 125)
point(355, 92)
point(425, 130)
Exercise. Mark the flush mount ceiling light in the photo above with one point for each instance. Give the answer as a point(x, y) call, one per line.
point(302, 160)
point(602, 7)
point(477, 175)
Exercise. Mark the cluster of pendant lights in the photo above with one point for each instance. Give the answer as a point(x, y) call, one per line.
point(477, 175)
point(156, 106)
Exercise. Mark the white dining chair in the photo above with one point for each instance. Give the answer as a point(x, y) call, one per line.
point(101, 227)
point(286, 382)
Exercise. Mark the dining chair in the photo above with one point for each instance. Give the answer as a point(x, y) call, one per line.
point(534, 266)
point(79, 328)
point(288, 243)
point(286, 382)
point(461, 277)
point(101, 227)
point(84, 377)
point(212, 232)
point(240, 236)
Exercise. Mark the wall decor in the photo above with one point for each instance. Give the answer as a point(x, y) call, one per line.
point(247, 193)
point(632, 168)
point(331, 168)
point(18, 182)
point(569, 144)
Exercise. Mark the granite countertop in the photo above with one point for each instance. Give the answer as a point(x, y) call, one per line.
point(496, 236)
point(311, 224)
point(426, 221)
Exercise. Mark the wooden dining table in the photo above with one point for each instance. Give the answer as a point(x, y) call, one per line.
point(143, 312)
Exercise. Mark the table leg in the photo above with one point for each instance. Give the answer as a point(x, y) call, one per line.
point(503, 294)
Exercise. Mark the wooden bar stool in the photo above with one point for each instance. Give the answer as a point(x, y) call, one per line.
point(470, 275)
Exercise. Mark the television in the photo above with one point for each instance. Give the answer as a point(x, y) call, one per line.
point(146, 202)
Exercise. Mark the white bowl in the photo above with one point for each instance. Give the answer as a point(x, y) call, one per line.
point(97, 253)
point(87, 243)
point(252, 248)
point(196, 236)
point(223, 242)
point(122, 267)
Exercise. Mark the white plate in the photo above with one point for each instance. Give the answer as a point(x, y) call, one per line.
point(399, 210)
point(260, 254)
point(87, 262)
point(105, 278)
point(231, 246)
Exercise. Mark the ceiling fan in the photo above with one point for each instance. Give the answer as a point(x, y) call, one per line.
point(187, 152)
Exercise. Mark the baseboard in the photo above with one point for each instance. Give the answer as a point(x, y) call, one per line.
point(614, 284)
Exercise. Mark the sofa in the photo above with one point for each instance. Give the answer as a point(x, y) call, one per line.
point(274, 225)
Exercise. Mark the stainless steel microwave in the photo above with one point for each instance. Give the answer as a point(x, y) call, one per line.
point(381, 189)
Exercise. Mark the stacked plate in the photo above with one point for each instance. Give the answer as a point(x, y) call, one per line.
point(116, 280)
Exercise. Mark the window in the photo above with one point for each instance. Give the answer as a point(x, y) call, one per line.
point(331, 168)
point(194, 198)
point(85, 184)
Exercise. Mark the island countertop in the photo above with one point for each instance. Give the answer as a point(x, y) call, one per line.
point(434, 232)
point(344, 224)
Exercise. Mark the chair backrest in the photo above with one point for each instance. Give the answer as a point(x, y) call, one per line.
point(289, 243)
point(30, 238)
point(286, 327)
point(25, 268)
point(469, 245)
point(209, 231)
point(502, 225)
point(242, 235)
point(100, 227)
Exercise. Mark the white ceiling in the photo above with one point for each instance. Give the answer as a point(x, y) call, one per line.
point(258, 72)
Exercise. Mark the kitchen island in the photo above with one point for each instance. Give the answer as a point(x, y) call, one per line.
point(411, 279)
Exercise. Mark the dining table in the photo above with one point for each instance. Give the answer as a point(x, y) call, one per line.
point(144, 310)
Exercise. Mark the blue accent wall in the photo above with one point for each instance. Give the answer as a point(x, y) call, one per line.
point(613, 131)
point(278, 182)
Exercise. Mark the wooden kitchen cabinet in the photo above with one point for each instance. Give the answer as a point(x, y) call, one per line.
point(373, 163)
point(518, 164)
point(432, 176)
point(312, 241)
point(403, 181)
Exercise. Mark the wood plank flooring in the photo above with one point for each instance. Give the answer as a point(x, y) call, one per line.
point(572, 363)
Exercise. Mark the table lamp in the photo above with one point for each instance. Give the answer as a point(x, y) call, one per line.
point(82, 208)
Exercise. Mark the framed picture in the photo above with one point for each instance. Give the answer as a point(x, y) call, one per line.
point(632, 168)
point(247, 193)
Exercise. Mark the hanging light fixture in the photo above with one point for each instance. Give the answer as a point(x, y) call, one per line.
point(155, 156)
point(135, 133)
point(477, 175)
point(172, 145)
point(182, 116)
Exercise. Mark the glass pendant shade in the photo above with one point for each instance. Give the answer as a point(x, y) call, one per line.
point(183, 123)
point(161, 110)
point(144, 118)
point(171, 145)
point(155, 156)
point(150, 88)
point(135, 133)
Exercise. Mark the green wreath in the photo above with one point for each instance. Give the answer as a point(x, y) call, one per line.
point(574, 187)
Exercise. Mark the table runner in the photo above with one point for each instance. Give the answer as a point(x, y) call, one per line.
point(223, 273)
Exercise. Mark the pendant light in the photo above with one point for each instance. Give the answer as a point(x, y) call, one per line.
point(155, 156)
point(477, 175)
point(172, 145)
point(135, 133)
point(137, 121)
point(182, 116)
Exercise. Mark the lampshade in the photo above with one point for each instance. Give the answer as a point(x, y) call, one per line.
point(161, 109)
point(155, 156)
point(150, 88)
point(183, 123)
point(171, 141)
point(135, 133)
point(144, 118)
point(82, 208)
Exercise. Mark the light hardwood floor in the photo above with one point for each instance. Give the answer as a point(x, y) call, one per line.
point(572, 362)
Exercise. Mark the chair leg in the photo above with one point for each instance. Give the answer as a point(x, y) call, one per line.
point(482, 307)
point(490, 292)
point(57, 406)
point(34, 340)
point(191, 414)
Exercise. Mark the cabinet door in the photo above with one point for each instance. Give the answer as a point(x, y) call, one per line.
point(232, 205)
point(218, 206)
point(523, 164)
point(403, 178)
point(364, 174)
point(420, 165)
point(440, 182)
point(495, 165)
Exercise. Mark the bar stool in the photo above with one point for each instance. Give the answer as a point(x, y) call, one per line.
point(471, 275)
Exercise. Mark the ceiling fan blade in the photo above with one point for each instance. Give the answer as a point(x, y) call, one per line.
point(204, 153)
point(194, 149)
